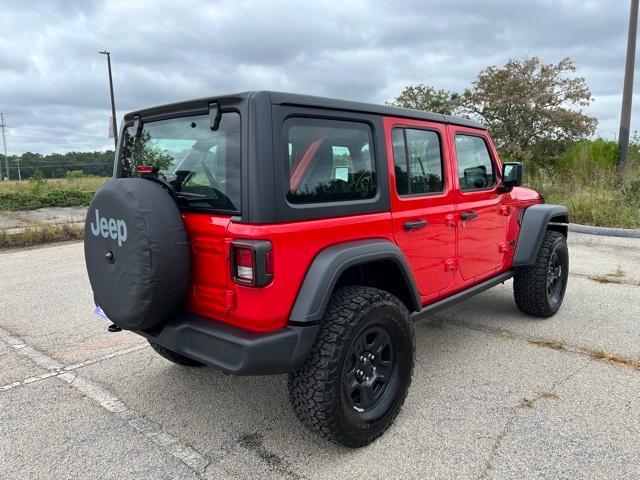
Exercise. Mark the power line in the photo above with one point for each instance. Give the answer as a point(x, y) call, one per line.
point(56, 137)
point(4, 144)
point(56, 165)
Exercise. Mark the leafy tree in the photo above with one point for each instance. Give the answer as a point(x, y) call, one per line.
point(139, 150)
point(423, 97)
point(532, 109)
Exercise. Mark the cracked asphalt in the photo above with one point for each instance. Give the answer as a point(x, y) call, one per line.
point(495, 395)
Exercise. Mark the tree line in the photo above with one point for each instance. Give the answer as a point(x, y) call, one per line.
point(56, 165)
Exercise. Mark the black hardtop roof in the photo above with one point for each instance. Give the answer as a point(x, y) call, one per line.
point(283, 98)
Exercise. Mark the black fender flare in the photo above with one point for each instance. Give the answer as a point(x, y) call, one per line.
point(534, 224)
point(330, 263)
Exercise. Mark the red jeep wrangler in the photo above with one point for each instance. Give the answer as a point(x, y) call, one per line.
point(269, 233)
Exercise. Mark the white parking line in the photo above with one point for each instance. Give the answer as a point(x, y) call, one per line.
point(193, 459)
point(55, 368)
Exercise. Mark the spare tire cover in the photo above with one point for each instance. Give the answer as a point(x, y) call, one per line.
point(137, 253)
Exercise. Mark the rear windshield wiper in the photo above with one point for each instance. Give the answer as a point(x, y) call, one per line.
point(195, 196)
point(198, 197)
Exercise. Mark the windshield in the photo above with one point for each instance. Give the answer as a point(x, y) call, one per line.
point(202, 165)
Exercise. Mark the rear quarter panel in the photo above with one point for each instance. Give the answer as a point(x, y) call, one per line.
point(295, 245)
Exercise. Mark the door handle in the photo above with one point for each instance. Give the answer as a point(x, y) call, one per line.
point(468, 215)
point(415, 224)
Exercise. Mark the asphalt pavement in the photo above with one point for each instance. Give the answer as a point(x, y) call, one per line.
point(495, 394)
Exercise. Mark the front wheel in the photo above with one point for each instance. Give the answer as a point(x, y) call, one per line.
point(356, 378)
point(539, 289)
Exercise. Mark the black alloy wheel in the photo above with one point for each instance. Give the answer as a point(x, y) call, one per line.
point(368, 373)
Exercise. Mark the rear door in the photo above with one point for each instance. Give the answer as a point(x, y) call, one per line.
point(483, 212)
point(422, 200)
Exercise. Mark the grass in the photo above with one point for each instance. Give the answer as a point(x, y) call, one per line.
point(592, 198)
point(618, 276)
point(583, 177)
point(604, 355)
point(530, 402)
point(41, 234)
point(553, 344)
point(39, 193)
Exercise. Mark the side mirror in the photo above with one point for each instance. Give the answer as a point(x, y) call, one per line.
point(511, 176)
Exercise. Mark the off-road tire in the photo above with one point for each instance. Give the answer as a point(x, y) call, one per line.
point(175, 357)
point(316, 389)
point(530, 283)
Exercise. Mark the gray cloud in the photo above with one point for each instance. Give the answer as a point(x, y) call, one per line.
point(53, 84)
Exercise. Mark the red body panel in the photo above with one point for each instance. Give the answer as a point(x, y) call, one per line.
point(446, 256)
point(426, 249)
point(294, 244)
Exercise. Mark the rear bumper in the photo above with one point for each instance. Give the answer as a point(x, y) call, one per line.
point(233, 350)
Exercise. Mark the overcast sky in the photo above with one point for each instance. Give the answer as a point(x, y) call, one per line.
point(54, 88)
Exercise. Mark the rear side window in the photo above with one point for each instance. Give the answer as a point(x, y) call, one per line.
point(417, 159)
point(329, 161)
point(475, 168)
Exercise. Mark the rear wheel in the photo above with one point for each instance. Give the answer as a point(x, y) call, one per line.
point(175, 357)
point(355, 380)
point(539, 289)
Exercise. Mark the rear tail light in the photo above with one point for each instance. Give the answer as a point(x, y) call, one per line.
point(252, 262)
point(245, 264)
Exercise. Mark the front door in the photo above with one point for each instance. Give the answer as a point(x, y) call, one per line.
point(422, 200)
point(482, 213)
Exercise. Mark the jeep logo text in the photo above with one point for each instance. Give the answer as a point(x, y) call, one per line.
point(116, 229)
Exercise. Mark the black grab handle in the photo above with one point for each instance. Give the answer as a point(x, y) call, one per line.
point(468, 215)
point(415, 224)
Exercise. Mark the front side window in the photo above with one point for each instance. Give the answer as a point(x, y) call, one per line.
point(329, 161)
point(475, 168)
point(202, 165)
point(417, 159)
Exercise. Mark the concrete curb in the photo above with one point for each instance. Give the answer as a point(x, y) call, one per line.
point(605, 231)
point(19, 230)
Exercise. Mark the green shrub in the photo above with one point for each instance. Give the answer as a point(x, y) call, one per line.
point(37, 182)
point(52, 198)
point(74, 174)
point(588, 156)
point(592, 199)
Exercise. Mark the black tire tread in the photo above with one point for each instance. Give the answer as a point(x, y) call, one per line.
point(530, 283)
point(311, 388)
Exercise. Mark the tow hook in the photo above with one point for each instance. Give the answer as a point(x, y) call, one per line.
point(114, 328)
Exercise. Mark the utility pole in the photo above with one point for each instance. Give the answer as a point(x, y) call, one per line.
point(627, 93)
point(113, 103)
point(4, 144)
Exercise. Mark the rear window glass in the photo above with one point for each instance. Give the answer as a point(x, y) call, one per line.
point(329, 161)
point(202, 165)
point(417, 161)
